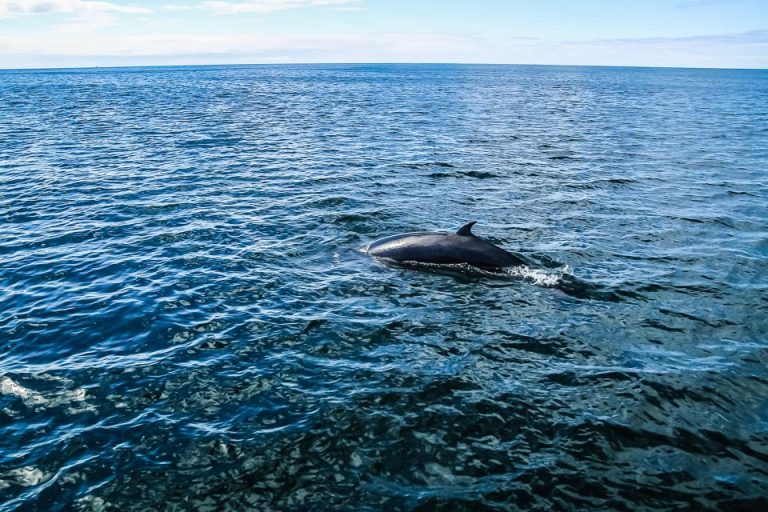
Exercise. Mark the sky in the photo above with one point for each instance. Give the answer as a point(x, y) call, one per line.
point(679, 33)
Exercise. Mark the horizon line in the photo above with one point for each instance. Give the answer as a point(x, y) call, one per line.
point(352, 63)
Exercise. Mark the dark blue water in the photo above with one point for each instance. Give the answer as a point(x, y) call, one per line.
point(186, 322)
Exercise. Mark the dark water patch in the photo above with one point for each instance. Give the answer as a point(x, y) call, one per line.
point(428, 165)
point(465, 174)
point(695, 318)
point(657, 324)
point(742, 193)
point(582, 289)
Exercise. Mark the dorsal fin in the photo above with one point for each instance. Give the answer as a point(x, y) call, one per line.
point(466, 229)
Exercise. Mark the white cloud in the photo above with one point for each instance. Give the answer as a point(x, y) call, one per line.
point(176, 7)
point(72, 47)
point(73, 50)
point(262, 6)
point(9, 8)
point(69, 44)
point(88, 22)
point(745, 49)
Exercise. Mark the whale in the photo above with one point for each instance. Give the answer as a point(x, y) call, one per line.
point(437, 248)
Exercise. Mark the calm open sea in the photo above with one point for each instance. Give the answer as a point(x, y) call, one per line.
point(186, 322)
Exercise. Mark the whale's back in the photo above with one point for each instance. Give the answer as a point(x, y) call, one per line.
point(442, 249)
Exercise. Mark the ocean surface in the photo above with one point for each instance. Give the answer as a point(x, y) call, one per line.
point(187, 321)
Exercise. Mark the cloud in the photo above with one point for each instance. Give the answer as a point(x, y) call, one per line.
point(262, 6)
point(757, 37)
point(177, 7)
point(88, 22)
point(78, 48)
point(242, 44)
point(739, 50)
point(9, 8)
point(105, 49)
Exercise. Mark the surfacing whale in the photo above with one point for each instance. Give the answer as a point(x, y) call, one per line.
point(462, 247)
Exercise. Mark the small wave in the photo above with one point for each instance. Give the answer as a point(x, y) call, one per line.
point(619, 181)
point(74, 398)
point(426, 165)
point(209, 142)
point(26, 476)
point(539, 277)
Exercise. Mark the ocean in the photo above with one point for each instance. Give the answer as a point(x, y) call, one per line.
point(187, 321)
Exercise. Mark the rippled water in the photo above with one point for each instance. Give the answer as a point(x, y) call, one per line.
point(186, 321)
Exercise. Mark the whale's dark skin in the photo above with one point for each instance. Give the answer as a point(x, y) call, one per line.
point(443, 249)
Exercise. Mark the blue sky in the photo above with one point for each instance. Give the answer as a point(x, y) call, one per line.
point(688, 33)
